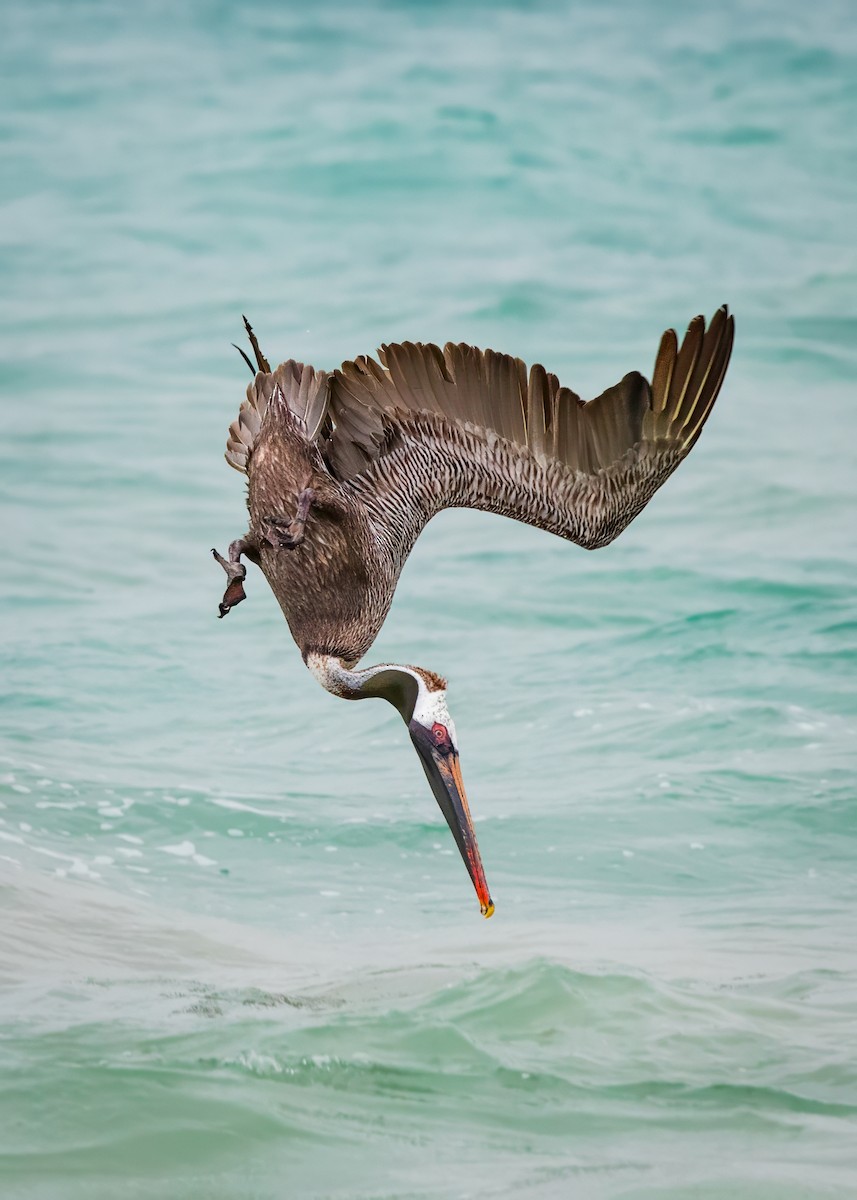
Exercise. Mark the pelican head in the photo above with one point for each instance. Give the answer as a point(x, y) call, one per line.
point(419, 696)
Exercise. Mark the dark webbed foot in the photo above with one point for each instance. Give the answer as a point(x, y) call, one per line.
point(236, 573)
point(287, 535)
point(281, 534)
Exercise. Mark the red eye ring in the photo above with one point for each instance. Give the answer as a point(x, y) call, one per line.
point(440, 732)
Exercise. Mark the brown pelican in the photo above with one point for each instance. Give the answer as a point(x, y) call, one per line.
point(345, 468)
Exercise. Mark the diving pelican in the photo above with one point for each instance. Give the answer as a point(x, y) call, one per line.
point(345, 468)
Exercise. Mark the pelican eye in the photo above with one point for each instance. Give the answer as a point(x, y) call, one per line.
point(440, 734)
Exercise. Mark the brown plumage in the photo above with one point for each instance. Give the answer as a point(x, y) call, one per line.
point(345, 469)
point(385, 445)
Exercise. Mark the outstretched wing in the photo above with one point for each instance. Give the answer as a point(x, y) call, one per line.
point(425, 429)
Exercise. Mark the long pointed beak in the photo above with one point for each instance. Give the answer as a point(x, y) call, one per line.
point(443, 772)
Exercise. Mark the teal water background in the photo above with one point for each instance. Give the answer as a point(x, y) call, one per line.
point(240, 956)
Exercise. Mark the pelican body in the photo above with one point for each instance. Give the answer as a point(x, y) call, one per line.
point(345, 469)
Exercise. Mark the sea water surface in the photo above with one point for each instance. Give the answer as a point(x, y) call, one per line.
point(240, 955)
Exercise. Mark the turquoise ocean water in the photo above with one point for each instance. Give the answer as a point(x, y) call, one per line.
point(240, 956)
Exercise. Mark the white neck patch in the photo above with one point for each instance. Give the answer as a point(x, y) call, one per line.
point(429, 709)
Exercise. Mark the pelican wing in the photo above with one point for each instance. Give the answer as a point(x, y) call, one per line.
point(425, 429)
point(302, 389)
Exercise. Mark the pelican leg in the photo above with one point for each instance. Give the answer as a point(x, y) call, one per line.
point(287, 535)
point(236, 573)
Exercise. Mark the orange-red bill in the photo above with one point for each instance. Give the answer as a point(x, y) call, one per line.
point(472, 857)
point(443, 771)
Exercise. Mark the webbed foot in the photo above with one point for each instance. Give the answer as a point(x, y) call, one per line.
point(288, 535)
point(236, 573)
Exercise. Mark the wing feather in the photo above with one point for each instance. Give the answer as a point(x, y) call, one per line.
point(612, 452)
point(305, 392)
point(420, 428)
